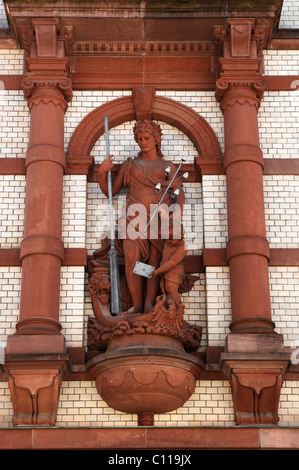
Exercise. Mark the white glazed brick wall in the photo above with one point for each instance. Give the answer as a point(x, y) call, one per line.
point(288, 410)
point(72, 304)
point(80, 405)
point(97, 216)
point(11, 62)
point(14, 123)
point(74, 211)
point(3, 19)
point(282, 210)
point(218, 304)
point(12, 206)
point(6, 409)
point(10, 288)
point(289, 17)
point(284, 293)
point(279, 124)
point(175, 144)
point(281, 62)
point(215, 211)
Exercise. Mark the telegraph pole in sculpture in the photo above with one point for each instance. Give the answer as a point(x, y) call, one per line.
point(115, 302)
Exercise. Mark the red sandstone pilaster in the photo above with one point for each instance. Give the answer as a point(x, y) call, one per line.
point(239, 90)
point(42, 249)
point(36, 356)
point(253, 363)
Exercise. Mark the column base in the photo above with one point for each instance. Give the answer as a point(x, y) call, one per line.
point(255, 325)
point(38, 326)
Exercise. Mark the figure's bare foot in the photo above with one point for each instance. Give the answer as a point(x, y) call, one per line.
point(134, 309)
point(148, 307)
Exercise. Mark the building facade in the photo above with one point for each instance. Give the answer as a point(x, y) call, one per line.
point(221, 80)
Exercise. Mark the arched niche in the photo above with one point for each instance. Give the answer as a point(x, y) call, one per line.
point(163, 109)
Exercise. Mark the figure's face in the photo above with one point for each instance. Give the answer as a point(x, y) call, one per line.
point(146, 141)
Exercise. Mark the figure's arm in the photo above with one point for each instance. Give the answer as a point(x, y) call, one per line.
point(103, 170)
point(176, 258)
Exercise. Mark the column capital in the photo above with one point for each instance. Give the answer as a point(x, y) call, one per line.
point(248, 89)
point(239, 46)
point(54, 88)
point(46, 49)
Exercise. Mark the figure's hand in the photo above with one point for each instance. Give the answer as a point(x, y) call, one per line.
point(106, 166)
point(154, 273)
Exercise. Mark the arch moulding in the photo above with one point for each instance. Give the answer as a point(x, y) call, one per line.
point(163, 109)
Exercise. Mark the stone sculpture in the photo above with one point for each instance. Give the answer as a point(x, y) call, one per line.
point(141, 361)
point(150, 304)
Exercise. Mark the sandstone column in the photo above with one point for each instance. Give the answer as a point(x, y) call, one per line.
point(254, 357)
point(36, 355)
point(42, 249)
point(239, 90)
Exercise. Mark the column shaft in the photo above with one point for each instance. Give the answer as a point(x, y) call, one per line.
point(42, 249)
point(247, 249)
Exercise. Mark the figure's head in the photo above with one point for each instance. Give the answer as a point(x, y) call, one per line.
point(151, 128)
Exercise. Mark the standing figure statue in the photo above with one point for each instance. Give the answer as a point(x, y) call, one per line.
point(142, 175)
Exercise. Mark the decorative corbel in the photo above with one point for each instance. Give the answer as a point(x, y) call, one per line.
point(241, 38)
point(143, 100)
point(34, 395)
point(256, 386)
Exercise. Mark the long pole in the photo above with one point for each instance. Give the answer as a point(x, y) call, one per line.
point(164, 194)
point(115, 296)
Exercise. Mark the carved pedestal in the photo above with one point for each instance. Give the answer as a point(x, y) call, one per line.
point(35, 366)
point(146, 375)
point(254, 365)
point(142, 366)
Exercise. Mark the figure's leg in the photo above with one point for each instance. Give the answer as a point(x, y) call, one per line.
point(152, 286)
point(172, 291)
point(134, 281)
